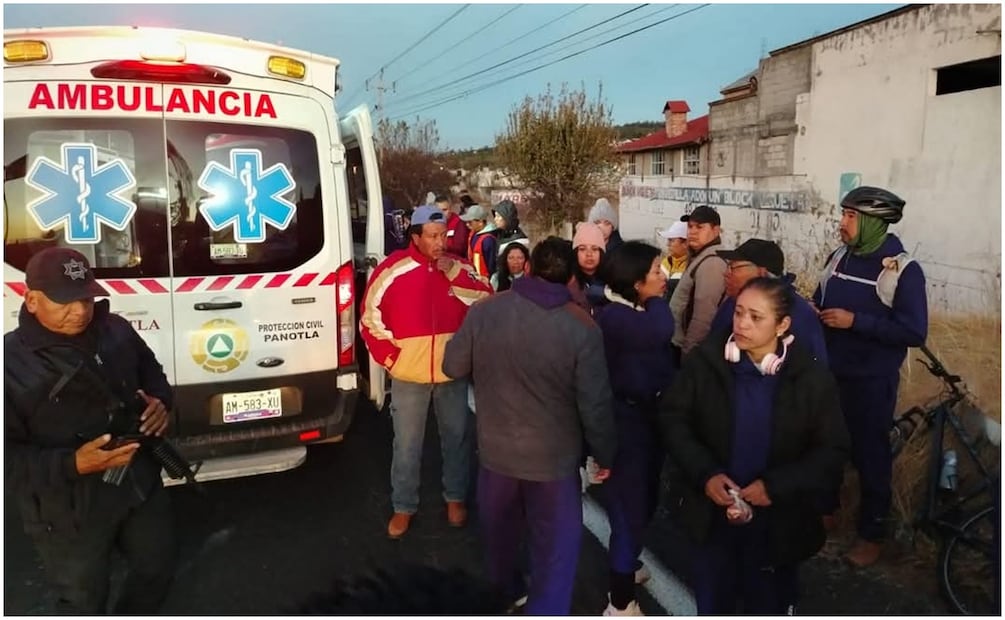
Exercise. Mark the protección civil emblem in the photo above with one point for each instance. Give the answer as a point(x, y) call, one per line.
point(219, 346)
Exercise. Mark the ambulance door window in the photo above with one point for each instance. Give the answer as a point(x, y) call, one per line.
point(358, 204)
point(96, 185)
point(245, 199)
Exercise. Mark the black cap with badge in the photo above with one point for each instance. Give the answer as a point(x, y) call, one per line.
point(760, 252)
point(703, 214)
point(64, 275)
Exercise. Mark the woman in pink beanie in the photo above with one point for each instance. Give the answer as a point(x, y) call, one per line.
point(587, 289)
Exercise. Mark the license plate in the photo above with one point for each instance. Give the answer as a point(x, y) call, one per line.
point(252, 406)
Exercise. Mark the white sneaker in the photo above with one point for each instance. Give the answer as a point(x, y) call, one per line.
point(633, 609)
point(642, 575)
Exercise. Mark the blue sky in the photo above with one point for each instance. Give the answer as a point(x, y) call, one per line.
point(689, 57)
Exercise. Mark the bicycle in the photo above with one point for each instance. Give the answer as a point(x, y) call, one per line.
point(967, 522)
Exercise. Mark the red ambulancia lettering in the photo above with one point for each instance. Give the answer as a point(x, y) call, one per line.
point(131, 98)
point(203, 101)
point(101, 97)
point(124, 103)
point(177, 102)
point(226, 109)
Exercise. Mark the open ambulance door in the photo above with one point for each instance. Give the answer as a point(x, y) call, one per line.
point(367, 209)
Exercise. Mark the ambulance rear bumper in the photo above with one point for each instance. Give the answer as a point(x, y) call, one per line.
point(326, 415)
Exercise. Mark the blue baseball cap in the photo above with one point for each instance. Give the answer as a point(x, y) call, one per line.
point(427, 214)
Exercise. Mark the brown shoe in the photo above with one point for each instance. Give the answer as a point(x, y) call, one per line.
point(457, 514)
point(830, 523)
point(398, 524)
point(863, 553)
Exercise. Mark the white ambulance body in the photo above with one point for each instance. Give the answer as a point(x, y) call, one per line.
point(217, 195)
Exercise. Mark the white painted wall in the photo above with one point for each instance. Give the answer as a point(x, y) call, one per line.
point(872, 110)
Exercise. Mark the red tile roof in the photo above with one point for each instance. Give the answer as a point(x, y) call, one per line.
point(697, 131)
point(676, 107)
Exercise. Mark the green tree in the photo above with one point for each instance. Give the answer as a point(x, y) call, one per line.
point(409, 166)
point(561, 148)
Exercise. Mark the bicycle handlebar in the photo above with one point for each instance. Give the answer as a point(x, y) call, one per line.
point(935, 367)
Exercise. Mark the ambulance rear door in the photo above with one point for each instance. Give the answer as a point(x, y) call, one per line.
point(82, 171)
point(366, 206)
point(257, 257)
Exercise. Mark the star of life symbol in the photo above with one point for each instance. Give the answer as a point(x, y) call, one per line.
point(75, 269)
point(79, 195)
point(246, 197)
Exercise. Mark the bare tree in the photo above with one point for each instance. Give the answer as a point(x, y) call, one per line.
point(408, 161)
point(562, 149)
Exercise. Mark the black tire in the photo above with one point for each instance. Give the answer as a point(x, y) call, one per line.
point(969, 566)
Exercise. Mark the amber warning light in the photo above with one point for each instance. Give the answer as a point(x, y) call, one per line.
point(25, 51)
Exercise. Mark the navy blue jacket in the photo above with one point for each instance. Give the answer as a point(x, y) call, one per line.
point(879, 337)
point(806, 325)
point(48, 414)
point(637, 348)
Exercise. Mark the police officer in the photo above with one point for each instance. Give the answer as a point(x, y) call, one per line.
point(68, 367)
point(873, 307)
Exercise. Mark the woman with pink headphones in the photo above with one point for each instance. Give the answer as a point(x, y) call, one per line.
point(754, 429)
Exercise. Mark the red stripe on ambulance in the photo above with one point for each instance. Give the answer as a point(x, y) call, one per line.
point(145, 286)
point(120, 286)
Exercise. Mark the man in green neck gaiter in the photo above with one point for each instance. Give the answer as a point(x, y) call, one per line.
point(868, 327)
point(870, 234)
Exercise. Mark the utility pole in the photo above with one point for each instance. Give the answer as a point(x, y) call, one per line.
point(380, 87)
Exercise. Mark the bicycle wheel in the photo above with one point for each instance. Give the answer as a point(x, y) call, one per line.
point(969, 566)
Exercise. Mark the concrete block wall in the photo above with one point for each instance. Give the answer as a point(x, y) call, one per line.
point(782, 79)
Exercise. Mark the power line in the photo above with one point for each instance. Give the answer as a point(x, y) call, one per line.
point(517, 38)
point(530, 61)
point(518, 57)
point(410, 48)
point(542, 66)
point(453, 46)
point(596, 36)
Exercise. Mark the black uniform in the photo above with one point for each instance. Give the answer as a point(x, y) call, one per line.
point(58, 393)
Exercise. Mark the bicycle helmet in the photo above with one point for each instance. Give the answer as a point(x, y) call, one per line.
point(876, 202)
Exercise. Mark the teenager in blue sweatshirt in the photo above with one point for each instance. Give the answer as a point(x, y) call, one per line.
point(637, 326)
point(873, 307)
point(752, 414)
point(759, 258)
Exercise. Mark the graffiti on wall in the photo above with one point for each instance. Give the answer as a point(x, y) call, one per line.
point(749, 199)
point(517, 197)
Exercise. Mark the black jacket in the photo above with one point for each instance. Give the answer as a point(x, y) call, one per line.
point(53, 403)
point(809, 445)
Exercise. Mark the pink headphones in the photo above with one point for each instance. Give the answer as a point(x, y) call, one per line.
point(771, 363)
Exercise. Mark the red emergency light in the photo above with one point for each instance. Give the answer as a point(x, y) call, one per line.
point(170, 72)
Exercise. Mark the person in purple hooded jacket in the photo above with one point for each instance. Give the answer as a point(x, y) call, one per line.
point(873, 306)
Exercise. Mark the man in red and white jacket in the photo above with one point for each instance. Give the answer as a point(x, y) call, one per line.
point(415, 301)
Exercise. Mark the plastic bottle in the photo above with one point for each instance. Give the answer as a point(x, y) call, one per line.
point(947, 478)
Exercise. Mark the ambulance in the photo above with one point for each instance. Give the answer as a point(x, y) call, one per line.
point(221, 199)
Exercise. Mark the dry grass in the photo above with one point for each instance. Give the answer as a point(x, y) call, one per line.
point(968, 346)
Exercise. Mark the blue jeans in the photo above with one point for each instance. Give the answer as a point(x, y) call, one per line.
point(409, 408)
